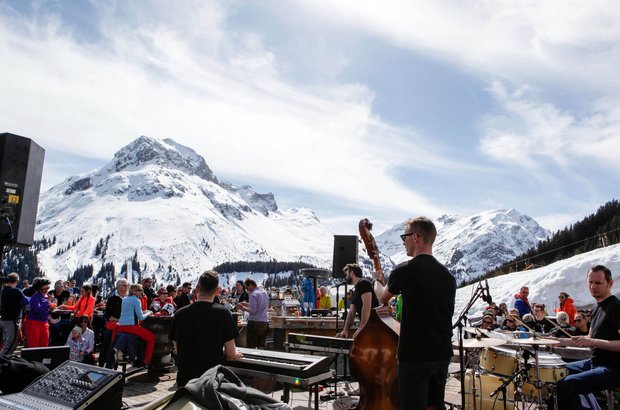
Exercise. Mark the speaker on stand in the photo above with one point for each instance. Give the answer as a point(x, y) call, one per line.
point(345, 252)
point(21, 167)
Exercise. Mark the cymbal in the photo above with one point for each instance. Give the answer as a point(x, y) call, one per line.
point(532, 341)
point(481, 343)
point(476, 331)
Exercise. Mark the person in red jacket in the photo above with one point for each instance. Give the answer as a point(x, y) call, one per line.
point(567, 305)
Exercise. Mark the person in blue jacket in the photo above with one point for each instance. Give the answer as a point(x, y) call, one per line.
point(522, 304)
point(308, 297)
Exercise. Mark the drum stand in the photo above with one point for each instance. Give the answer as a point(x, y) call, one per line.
point(539, 384)
point(502, 388)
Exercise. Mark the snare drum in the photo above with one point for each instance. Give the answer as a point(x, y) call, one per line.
point(552, 367)
point(499, 360)
point(485, 385)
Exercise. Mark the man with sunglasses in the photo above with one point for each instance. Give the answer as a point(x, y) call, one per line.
point(582, 326)
point(428, 290)
point(183, 299)
point(602, 370)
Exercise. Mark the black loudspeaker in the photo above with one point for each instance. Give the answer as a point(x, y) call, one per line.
point(345, 251)
point(21, 166)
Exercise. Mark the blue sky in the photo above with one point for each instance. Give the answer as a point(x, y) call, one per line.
point(383, 110)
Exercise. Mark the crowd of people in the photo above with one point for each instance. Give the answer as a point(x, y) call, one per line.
point(39, 315)
point(528, 317)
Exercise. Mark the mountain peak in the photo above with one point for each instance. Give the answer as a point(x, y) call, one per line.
point(146, 151)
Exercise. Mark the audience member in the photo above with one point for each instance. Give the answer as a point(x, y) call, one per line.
point(582, 326)
point(563, 326)
point(149, 292)
point(522, 304)
point(345, 302)
point(541, 324)
point(184, 299)
point(567, 305)
point(85, 305)
point(77, 345)
point(37, 327)
point(12, 303)
point(162, 304)
point(258, 322)
point(111, 316)
point(325, 301)
point(131, 313)
point(240, 292)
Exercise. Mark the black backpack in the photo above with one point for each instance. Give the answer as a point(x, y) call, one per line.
point(17, 373)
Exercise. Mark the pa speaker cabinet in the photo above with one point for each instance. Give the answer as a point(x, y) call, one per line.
point(345, 251)
point(21, 167)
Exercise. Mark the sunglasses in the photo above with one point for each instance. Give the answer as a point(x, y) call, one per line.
point(578, 320)
point(510, 321)
point(405, 235)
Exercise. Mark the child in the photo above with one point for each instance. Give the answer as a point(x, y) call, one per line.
point(77, 345)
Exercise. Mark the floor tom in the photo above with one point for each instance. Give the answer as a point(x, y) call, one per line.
point(485, 384)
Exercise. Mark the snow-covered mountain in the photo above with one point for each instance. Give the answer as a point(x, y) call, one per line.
point(471, 245)
point(160, 199)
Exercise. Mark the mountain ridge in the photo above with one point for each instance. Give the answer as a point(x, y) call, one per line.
point(159, 201)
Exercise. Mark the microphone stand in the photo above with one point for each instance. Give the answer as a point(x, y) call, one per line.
point(460, 324)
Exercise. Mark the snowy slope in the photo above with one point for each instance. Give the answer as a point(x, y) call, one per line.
point(160, 199)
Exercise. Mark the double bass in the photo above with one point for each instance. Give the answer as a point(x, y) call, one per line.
point(373, 352)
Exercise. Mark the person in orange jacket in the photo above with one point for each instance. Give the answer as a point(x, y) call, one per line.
point(567, 305)
point(84, 306)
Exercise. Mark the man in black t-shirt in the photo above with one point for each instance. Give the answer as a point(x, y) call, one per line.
point(203, 333)
point(602, 370)
point(364, 299)
point(425, 344)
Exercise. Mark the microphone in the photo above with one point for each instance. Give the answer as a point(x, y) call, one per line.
point(337, 285)
point(486, 295)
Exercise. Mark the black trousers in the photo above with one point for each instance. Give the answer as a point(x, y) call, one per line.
point(257, 334)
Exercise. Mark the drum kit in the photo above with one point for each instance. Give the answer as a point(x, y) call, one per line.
point(510, 374)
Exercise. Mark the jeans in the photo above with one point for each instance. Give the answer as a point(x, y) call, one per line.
point(584, 378)
point(422, 384)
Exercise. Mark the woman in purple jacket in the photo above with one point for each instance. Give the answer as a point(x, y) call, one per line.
point(37, 327)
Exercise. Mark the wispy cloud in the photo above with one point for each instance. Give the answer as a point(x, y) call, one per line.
point(177, 71)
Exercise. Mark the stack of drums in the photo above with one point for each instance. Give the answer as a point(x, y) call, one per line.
point(498, 364)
